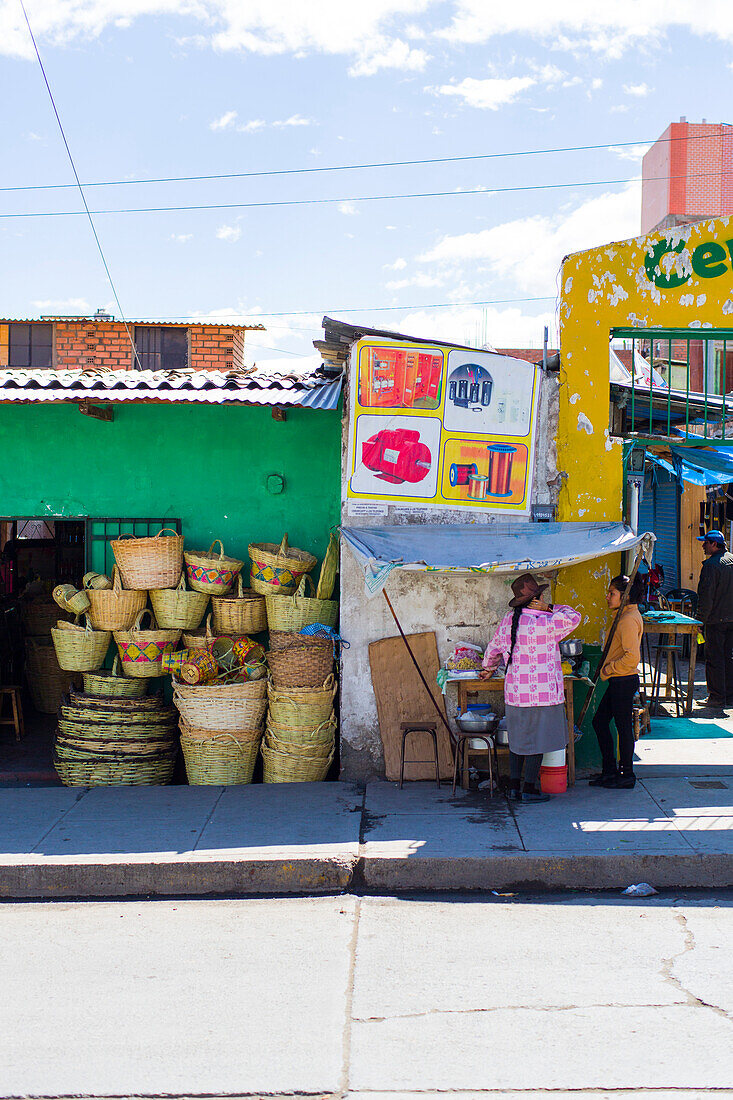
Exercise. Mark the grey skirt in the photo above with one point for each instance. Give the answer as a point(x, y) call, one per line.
point(536, 729)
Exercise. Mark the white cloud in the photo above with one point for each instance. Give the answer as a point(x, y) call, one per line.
point(229, 233)
point(60, 307)
point(488, 94)
point(595, 25)
point(181, 238)
point(529, 251)
point(390, 55)
point(639, 90)
point(399, 264)
point(421, 279)
point(629, 152)
point(504, 327)
point(294, 120)
point(348, 208)
point(225, 122)
point(252, 126)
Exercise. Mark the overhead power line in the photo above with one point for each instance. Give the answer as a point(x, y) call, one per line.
point(80, 187)
point(351, 309)
point(350, 199)
point(609, 146)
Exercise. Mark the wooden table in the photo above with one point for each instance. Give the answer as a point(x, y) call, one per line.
point(496, 683)
point(672, 622)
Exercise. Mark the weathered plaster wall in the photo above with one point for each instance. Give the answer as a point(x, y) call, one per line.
point(686, 282)
point(456, 608)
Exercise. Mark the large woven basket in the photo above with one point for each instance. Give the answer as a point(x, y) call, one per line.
point(281, 767)
point(286, 714)
point(111, 683)
point(301, 665)
point(115, 608)
point(149, 562)
point(240, 614)
point(306, 742)
point(219, 757)
point(47, 681)
point(299, 697)
point(277, 569)
point(114, 773)
point(80, 649)
point(304, 730)
point(294, 612)
point(178, 608)
point(211, 574)
point(316, 750)
point(227, 707)
point(141, 651)
point(38, 616)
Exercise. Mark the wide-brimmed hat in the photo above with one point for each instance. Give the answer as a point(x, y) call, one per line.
point(525, 589)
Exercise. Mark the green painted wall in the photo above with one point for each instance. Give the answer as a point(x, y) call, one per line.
point(205, 464)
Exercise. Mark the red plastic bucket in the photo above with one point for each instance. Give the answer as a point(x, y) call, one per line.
point(554, 780)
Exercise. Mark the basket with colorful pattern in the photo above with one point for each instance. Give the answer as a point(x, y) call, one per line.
point(278, 569)
point(210, 574)
point(141, 651)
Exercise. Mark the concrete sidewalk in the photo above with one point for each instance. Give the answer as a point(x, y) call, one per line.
point(674, 830)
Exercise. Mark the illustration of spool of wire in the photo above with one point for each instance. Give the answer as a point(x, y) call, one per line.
point(478, 485)
point(461, 472)
point(501, 460)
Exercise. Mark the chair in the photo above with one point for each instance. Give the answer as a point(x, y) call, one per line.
point(419, 727)
point(666, 651)
point(461, 741)
point(16, 721)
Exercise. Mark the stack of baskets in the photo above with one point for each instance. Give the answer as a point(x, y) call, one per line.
point(114, 739)
point(46, 680)
point(301, 723)
point(221, 729)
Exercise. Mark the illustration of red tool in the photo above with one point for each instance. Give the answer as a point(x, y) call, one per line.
point(396, 455)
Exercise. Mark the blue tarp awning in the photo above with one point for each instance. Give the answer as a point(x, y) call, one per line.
point(489, 548)
point(698, 466)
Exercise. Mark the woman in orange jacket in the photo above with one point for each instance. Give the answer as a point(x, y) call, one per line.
point(620, 672)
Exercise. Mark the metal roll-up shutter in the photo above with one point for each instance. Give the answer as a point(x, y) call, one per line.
point(666, 527)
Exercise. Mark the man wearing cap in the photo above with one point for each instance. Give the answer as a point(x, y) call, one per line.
point(715, 612)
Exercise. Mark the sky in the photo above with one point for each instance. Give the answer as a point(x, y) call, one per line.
point(151, 89)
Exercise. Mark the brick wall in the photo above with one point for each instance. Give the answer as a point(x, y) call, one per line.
point(697, 170)
point(220, 347)
point(106, 345)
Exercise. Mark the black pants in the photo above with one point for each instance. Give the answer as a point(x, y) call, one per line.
point(719, 660)
point(616, 704)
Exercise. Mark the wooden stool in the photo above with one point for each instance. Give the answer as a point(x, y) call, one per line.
point(666, 651)
point(17, 720)
point(419, 727)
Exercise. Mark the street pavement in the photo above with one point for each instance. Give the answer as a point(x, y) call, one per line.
point(369, 997)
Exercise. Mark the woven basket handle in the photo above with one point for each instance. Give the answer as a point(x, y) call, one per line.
point(87, 624)
point(116, 581)
point(170, 530)
point(116, 666)
point(301, 588)
point(330, 682)
point(240, 587)
point(283, 548)
point(181, 586)
point(210, 551)
point(209, 631)
point(145, 611)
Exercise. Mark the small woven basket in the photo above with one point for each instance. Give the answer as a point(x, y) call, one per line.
point(219, 760)
point(115, 608)
point(47, 681)
point(229, 707)
point(69, 598)
point(98, 581)
point(240, 614)
point(301, 665)
point(294, 612)
point(178, 608)
point(80, 649)
point(141, 651)
point(111, 684)
point(281, 767)
point(277, 569)
point(149, 562)
point(210, 574)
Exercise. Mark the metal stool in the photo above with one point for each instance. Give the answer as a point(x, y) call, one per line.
point(17, 710)
point(460, 755)
point(419, 727)
point(669, 652)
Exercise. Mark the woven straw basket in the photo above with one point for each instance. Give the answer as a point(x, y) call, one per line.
point(47, 681)
point(149, 562)
point(294, 612)
point(114, 773)
point(277, 569)
point(301, 665)
point(115, 608)
point(239, 614)
point(69, 598)
point(314, 750)
point(327, 579)
point(141, 651)
point(321, 696)
point(219, 757)
point(40, 615)
point(229, 707)
point(178, 608)
point(80, 649)
point(280, 767)
point(210, 574)
point(97, 581)
point(112, 684)
point(304, 731)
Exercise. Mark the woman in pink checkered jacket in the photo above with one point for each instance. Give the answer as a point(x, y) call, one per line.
point(527, 640)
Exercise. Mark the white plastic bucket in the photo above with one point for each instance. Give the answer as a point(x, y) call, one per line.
point(554, 759)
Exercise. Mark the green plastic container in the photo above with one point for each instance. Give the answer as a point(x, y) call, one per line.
point(587, 752)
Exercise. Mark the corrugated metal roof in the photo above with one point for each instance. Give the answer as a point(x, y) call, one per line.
point(252, 385)
point(84, 320)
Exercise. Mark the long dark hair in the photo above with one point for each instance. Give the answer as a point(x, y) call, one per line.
point(621, 583)
point(515, 626)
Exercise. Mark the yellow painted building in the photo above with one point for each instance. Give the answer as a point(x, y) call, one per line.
point(675, 284)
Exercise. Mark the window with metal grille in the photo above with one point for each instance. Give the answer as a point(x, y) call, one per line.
point(679, 384)
point(30, 345)
point(161, 348)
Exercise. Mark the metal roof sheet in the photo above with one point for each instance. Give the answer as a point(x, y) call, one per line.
point(84, 320)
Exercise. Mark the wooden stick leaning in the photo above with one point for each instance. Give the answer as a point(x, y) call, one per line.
point(438, 711)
